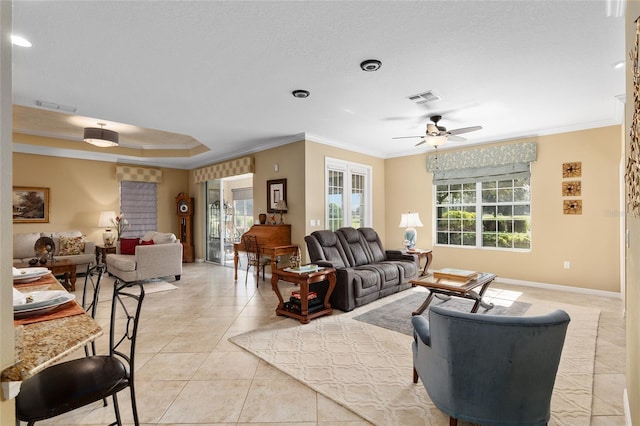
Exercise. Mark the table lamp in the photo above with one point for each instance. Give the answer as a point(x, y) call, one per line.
point(107, 220)
point(281, 207)
point(410, 221)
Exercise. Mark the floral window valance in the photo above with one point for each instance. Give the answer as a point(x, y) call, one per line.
point(481, 164)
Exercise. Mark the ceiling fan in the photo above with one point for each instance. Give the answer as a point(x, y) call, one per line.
point(437, 135)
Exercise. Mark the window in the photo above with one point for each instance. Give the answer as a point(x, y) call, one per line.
point(503, 205)
point(348, 194)
point(139, 204)
point(242, 211)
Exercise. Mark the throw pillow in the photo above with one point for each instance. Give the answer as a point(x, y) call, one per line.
point(128, 245)
point(146, 243)
point(164, 238)
point(70, 246)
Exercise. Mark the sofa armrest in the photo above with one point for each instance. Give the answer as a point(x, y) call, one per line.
point(398, 255)
point(158, 260)
point(324, 263)
point(421, 329)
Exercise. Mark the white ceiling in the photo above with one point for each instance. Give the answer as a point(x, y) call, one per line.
point(222, 72)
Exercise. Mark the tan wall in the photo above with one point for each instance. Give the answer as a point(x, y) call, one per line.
point(302, 164)
point(315, 188)
point(633, 248)
point(290, 160)
point(80, 189)
point(590, 242)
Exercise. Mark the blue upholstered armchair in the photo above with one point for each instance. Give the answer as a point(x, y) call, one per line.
point(486, 369)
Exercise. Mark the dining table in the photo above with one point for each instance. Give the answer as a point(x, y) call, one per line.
point(47, 336)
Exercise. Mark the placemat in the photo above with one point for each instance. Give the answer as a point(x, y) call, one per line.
point(69, 309)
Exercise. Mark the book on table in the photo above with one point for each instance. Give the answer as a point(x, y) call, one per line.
point(456, 274)
point(302, 269)
point(311, 295)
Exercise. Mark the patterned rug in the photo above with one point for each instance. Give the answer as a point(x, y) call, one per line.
point(396, 315)
point(368, 369)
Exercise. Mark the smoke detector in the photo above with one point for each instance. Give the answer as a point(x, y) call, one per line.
point(370, 65)
point(299, 93)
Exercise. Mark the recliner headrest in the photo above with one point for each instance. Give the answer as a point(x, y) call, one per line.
point(369, 234)
point(350, 234)
point(326, 238)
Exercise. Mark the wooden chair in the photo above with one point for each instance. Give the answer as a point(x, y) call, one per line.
point(253, 256)
point(73, 384)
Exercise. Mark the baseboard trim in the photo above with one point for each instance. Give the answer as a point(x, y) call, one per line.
point(580, 290)
point(627, 408)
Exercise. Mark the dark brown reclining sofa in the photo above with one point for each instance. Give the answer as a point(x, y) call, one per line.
point(365, 271)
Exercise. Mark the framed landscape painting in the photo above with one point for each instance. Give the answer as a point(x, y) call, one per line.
point(30, 205)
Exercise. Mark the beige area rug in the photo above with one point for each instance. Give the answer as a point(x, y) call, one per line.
point(156, 286)
point(368, 369)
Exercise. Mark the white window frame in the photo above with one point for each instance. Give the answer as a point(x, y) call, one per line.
point(479, 204)
point(349, 169)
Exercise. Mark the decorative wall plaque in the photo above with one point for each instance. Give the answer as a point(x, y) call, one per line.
point(572, 206)
point(571, 188)
point(571, 170)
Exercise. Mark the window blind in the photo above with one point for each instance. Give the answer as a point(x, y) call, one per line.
point(139, 204)
point(242, 193)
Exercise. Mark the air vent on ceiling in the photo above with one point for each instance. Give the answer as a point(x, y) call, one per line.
point(56, 107)
point(428, 96)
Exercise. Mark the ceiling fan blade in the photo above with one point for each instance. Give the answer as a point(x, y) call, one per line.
point(454, 138)
point(421, 142)
point(464, 130)
point(407, 137)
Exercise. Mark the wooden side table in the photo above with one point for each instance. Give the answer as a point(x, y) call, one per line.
point(102, 251)
point(422, 254)
point(303, 280)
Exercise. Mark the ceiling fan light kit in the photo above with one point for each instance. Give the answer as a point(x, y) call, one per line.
point(299, 93)
point(370, 65)
point(100, 137)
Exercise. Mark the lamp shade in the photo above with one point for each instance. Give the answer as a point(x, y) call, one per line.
point(107, 219)
point(410, 220)
point(281, 205)
point(100, 137)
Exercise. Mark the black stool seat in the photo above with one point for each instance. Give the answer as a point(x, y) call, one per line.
point(70, 385)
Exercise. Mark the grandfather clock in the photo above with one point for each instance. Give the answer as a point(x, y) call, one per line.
point(185, 224)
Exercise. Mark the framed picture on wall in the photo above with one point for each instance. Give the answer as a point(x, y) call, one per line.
point(30, 205)
point(276, 191)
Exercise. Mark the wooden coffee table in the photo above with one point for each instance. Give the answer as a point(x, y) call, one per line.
point(448, 287)
point(303, 280)
point(64, 267)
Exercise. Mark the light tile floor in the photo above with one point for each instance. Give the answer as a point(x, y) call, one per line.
point(188, 373)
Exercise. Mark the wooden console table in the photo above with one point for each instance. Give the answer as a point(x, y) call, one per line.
point(304, 279)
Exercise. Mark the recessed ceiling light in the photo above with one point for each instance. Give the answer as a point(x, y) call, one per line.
point(619, 64)
point(20, 41)
point(370, 65)
point(299, 93)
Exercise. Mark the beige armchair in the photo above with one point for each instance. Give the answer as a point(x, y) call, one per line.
point(161, 259)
